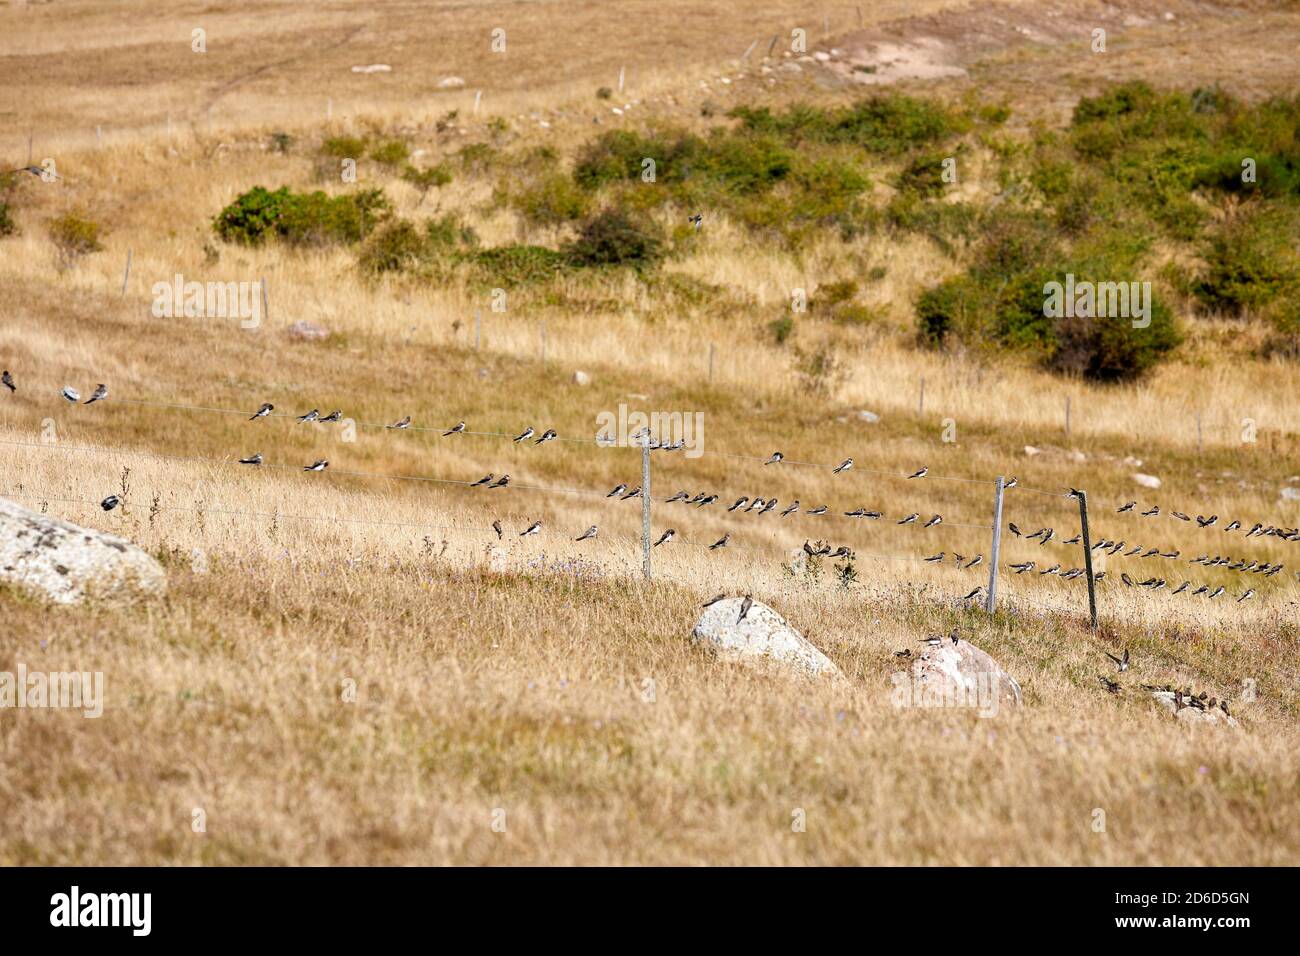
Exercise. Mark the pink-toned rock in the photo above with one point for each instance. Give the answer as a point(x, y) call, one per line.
point(956, 675)
point(304, 331)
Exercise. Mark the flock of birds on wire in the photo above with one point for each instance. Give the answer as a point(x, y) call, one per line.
point(761, 506)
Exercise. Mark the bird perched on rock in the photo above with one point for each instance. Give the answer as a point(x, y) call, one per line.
point(402, 423)
point(311, 416)
point(589, 533)
point(534, 528)
point(100, 393)
point(252, 459)
point(262, 412)
point(111, 502)
point(845, 465)
point(919, 473)
point(456, 429)
point(745, 605)
point(320, 464)
point(721, 542)
point(524, 435)
point(666, 537)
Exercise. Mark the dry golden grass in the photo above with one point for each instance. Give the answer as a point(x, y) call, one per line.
point(514, 675)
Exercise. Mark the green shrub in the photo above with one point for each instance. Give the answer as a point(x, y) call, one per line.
point(251, 216)
point(395, 247)
point(923, 175)
point(305, 219)
point(781, 328)
point(477, 157)
point(428, 178)
point(613, 238)
point(394, 152)
point(888, 123)
point(551, 201)
point(508, 266)
point(448, 232)
point(75, 236)
point(1250, 263)
point(1110, 349)
point(344, 147)
point(280, 142)
point(7, 225)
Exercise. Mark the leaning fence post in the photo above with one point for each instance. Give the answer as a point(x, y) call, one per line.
point(266, 301)
point(1087, 559)
point(920, 401)
point(126, 273)
point(1067, 416)
point(995, 553)
point(710, 363)
point(478, 328)
point(645, 507)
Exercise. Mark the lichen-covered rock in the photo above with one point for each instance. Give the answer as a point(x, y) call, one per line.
point(762, 634)
point(66, 563)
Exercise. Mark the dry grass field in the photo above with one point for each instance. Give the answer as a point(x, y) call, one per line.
point(351, 668)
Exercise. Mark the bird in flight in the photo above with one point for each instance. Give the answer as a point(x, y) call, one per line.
point(496, 526)
point(403, 423)
point(111, 502)
point(533, 528)
point(500, 482)
point(333, 416)
point(920, 473)
point(549, 435)
point(71, 394)
point(100, 393)
point(7, 381)
point(320, 464)
point(524, 435)
point(311, 416)
point(1120, 662)
point(262, 412)
point(720, 543)
point(589, 533)
point(910, 518)
point(937, 519)
point(776, 458)
point(845, 465)
point(486, 479)
point(1206, 522)
point(745, 605)
point(666, 537)
point(252, 459)
point(454, 429)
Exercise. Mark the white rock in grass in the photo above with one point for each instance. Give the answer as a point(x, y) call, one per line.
point(581, 378)
point(1208, 715)
point(869, 417)
point(304, 331)
point(450, 83)
point(67, 564)
point(1031, 451)
point(1147, 481)
point(1290, 494)
point(373, 68)
point(762, 634)
point(956, 674)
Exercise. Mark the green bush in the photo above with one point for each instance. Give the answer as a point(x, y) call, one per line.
point(1250, 263)
point(304, 219)
point(508, 266)
point(448, 232)
point(923, 175)
point(7, 225)
point(395, 247)
point(75, 236)
point(344, 147)
point(613, 238)
point(551, 201)
point(428, 178)
point(394, 152)
point(1110, 349)
point(888, 123)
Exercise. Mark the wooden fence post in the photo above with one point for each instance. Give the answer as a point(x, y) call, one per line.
point(995, 554)
point(645, 507)
point(1087, 558)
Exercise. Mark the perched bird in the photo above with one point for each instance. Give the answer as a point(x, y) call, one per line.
point(1201, 590)
point(819, 510)
point(745, 605)
point(7, 381)
point(1099, 576)
point(1126, 579)
point(937, 519)
point(666, 537)
point(696, 220)
point(71, 394)
point(252, 459)
point(454, 430)
point(1048, 536)
point(919, 473)
point(589, 533)
point(1151, 512)
point(1180, 516)
point(333, 416)
point(486, 479)
point(790, 510)
point(1182, 587)
point(739, 501)
point(1233, 527)
point(1014, 530)
point(320, 464)
point(973, 594)
point(496, 526)
point(402, 423)
point(534, 528)
point(973, 562)
point(1120, 662)
point(634, 493)
point(776, 458)
point(1011, 484)
point(311, 416)
point(697, 499)
point(720, 543)
point(524, 435)
point(1216, 592)
point(856, 513)
point(680, 496)
point(771, 503)
point(1128, 507)
point(549, 435)
point(1075, 540)
point(1110, 685)
point(1250, 593)
point(713, 600)
point(845, 465)
point(617, 490)
point(1052, 570)
point(111, 502)
point(1206, 522)
point(910, 518)
point(934, 558)
point(756, 503)
point(1022, 568)
point(841, 552)
point(1075, 493)
point(262, 412)
point(500, 482)
point(1071, 574)
point(710, 499)
point(100, 393)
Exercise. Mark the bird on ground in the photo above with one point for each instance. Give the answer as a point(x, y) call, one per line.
point(251, 460)
point(974, 562)
point(496, 526)
point(934, 640)
point(402, 423)
point(937, 519)
point(919, 473)
point(720, 543)
point(696, 220)
point(524, 435)
point(739, 501)
point(500, 482)
point(485, 480)
point(534, 528)
point(1128, 507)
point(320, 464)
point(845, 465)
point(100, 393)
point(1022, 568)
point(262, 412)
point(1250, 593)
point(549, 435)
point(713, 600)
point(333, 416)
point(71, 394)
point(311, 416)
point(935, 558)
point(618, 490)
point(910, 518)
point(111, 502)
point(666, 537)
point(589, 533)
point(1014, 530)
point(975, 593)
point(1110, 685)
point(1011, 484)
point(456, 429)
point(819, 510)
point(776, 458)
point(7, 381)
point(1233, 527)
point(790, 510)
point(745, 605)
point(1120, 662)
point(1151, 512)
point(680, 496)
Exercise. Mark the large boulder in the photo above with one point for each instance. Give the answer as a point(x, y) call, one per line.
point(67, 563)
point(763, 634)
point(1199, 714)
point(961, 674)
